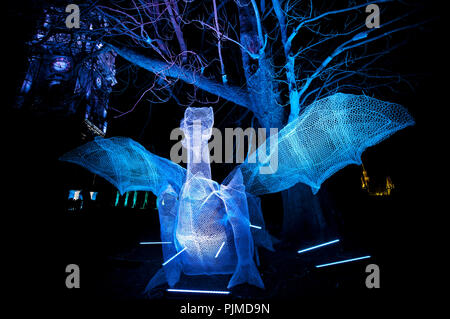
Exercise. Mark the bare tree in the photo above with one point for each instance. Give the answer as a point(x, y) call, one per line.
point(271, 57)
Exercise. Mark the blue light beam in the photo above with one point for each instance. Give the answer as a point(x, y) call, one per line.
point(170, 259)
point(342, 261)
point(154, 242)
point(218, 252)
point(200, 291)
point(257, 227)
point(318, 246)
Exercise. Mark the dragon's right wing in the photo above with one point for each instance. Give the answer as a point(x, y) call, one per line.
point(330, 134)
point(127, 165)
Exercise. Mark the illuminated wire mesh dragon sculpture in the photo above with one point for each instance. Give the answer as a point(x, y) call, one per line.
point(201, 218)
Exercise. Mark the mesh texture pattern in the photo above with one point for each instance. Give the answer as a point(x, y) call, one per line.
point(127, 165)
point(330, 134)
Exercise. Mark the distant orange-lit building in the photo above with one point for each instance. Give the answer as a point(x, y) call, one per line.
point(375, 190)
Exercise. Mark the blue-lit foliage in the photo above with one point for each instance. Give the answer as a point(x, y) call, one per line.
point(209, 226)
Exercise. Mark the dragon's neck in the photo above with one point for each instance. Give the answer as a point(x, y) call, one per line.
point(197, 127)
point(198, 159)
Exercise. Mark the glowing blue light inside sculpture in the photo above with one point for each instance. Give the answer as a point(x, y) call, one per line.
point(218, 252)
point(318, 246)
point(154, 242)
point(200, 291)
point(170, 259)
point(342, 261)
point(254, 226)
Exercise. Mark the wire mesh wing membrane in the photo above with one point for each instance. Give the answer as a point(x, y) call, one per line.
point(127, 165)
point(330, 134)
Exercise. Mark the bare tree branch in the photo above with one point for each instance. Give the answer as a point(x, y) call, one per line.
point(164, 69)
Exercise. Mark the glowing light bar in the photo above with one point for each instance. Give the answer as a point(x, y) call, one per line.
point(318, 246)
point(218, 252)
point(170, 259)
point(257, 227)
point(200, 291)
point(342, 261)
point(154, 242)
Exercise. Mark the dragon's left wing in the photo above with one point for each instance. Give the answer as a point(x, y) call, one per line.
point(127, 165)
point(330, 134)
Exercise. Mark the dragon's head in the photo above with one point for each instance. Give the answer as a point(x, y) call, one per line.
point(197, 124)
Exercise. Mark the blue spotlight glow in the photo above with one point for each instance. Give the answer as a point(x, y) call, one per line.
point(218, 252)
point(170, 259)
point(257, 227)
point(342, 261)
point(200, 291)
point(318, 246)
point(154, 242)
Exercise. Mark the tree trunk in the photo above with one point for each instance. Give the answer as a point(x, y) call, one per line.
point(259, 74)
point(303, 217)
